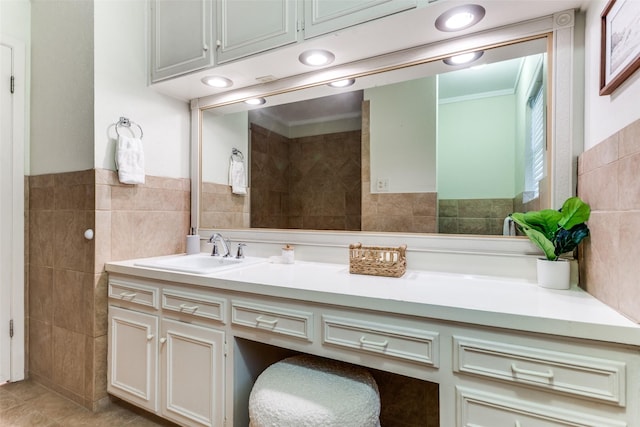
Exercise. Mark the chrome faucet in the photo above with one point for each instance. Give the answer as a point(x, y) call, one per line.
point(224, 243)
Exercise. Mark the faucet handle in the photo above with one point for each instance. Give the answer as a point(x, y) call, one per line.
point(240, 253)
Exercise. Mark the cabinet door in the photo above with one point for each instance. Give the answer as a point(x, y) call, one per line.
point(192, 373)
point(133, 355)
point(325, 16)
point(247, 27)
point(181, 36)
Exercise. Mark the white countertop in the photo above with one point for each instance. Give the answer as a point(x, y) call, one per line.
point(477, 300)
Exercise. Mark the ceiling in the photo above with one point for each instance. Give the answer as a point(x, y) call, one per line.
point(486, 80)
point(400, 31)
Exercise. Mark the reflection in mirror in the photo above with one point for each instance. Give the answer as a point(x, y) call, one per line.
point(418, 149)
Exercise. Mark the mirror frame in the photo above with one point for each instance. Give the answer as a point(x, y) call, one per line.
point(565, 140)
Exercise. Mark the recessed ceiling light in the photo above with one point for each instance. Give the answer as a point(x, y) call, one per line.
point(460, 17)
point(217, 81)
point(255, 101)
point(316, 57)
point(342, 83)
point(463, 58)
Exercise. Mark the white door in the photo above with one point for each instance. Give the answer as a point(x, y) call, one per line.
point(5, 211)
point(12, 108)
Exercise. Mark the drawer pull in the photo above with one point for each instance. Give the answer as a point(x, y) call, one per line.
point(365, 341)
point(188, 307)
point(261, 319)
point(149, 337)
point(516, 370)
point(128, 294)
point(163, 340)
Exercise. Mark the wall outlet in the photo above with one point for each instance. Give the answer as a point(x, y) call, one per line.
point(382, 185)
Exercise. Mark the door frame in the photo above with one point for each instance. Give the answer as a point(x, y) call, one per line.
point(17, 223)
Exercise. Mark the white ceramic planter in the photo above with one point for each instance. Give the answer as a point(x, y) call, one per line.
point(554, 274)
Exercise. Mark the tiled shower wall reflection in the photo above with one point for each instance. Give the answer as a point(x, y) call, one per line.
point(220, 208)
point(67, 286)
point(474, 216)
point(608, 180)
point(310, 182)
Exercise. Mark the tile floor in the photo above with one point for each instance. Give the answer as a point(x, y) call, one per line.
point(28, 404)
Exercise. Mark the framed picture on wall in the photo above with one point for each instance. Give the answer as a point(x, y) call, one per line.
point(620, 43)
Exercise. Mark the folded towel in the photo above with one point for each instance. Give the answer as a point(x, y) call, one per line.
point(130, 160)
point(237, 177)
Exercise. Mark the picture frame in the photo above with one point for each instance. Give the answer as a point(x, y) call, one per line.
point(620, 43)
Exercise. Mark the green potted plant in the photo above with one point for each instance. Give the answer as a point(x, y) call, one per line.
point(556, 233)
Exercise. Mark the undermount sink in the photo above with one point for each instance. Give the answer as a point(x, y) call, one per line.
point(196, 264)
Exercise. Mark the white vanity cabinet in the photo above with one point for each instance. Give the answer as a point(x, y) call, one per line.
point(252, 26)
point(511, 380)
point(190, 347)
point(165, 353)
point(181, 37)
point(133, 357)
point(326, 16)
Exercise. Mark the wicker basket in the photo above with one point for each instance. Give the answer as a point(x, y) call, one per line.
point(377, 261)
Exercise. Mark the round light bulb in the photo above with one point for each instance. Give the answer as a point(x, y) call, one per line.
point(316, 57)
point(459, 20)
point(342, 83)
point(217, 81)
point(255, 101)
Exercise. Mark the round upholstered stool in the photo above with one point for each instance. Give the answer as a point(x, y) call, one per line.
point(308, 391)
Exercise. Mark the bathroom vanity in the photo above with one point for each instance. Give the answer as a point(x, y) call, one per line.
point(503, 352)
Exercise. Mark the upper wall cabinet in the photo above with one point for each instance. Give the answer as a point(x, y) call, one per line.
point(325, 16)
point(252, 26)
point(183, 38)
point(181, 35)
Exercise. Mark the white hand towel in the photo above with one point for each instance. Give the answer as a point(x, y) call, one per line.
point(237, 177)
point(130, 160)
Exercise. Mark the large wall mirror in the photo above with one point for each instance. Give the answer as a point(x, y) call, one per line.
point(417, 147)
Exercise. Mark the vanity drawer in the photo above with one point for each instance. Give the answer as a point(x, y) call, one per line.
point(195, 305)
point(392, 341)
point(563, 372)
point(135, 293)
point(481, 409)
point(275, 319)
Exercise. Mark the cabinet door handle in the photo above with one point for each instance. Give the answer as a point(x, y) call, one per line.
point(189, 307)
point(516, 370)
point(261, 319)
point(149, 337)
point(365, 341)
point(518, 424)
point(163, 340)
point(128, 294)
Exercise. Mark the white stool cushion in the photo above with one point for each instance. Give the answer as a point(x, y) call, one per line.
point(306, 391)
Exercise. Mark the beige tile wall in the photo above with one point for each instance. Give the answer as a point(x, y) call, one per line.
point(473, 216)
point(310, 182)
point(405, 212)
point(223, 209)
point(67, 286)
point(609, 180)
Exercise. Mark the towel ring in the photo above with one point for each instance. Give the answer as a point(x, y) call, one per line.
point(125, 122)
